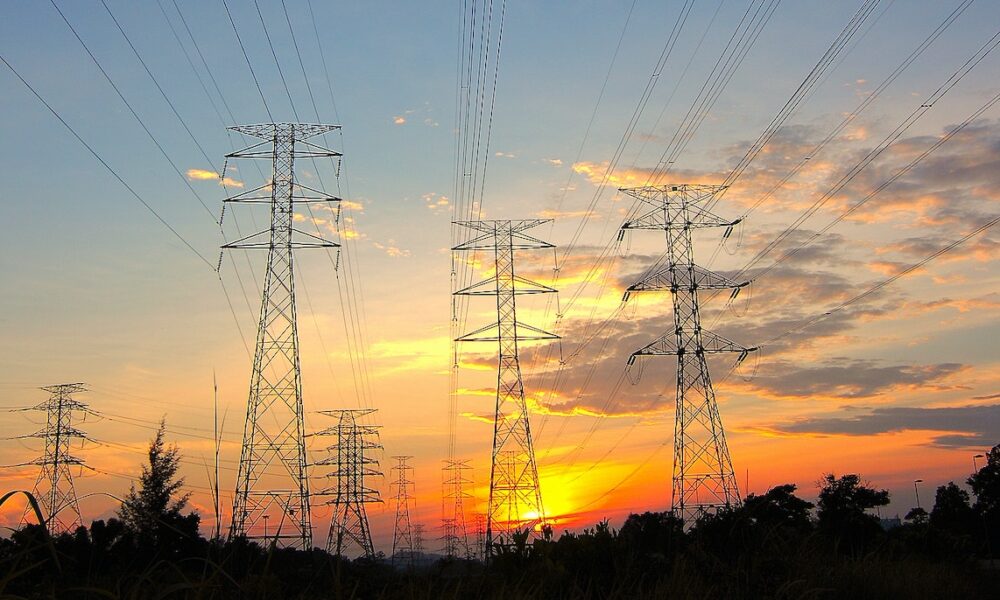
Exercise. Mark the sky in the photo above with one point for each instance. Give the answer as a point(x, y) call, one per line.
point(899, 385)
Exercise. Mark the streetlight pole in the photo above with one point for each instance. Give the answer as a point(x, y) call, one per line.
point(916, 492)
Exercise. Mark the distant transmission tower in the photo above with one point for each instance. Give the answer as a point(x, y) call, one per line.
point(418, 539)
point(453, 496)
point(352, 462)
point(402, 532)
point(515, 497)
point(272, 483)
point(54, 487)
point(703, 477)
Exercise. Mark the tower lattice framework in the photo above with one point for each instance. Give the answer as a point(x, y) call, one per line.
point(703, 477)
point(403, 546)
point(272, 484)
point(54, 488)
point(352, 462)
point(453, 498)
point(515, 500)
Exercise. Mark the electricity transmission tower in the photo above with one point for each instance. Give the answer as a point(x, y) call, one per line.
point(515, 497)
point(402, 531)
point(453, 495)
point(703, 477)
point(352, 463)
point(54, 487)
point(272, 480)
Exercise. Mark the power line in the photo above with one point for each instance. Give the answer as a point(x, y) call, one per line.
point(107, 166)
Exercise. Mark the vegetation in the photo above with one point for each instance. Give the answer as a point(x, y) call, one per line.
point(776, 545)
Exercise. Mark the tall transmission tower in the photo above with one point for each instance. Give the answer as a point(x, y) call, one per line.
point(453, 497)
point(703, 477)
point(272, 480)
point(402, 530)
point(54, 487)
point(515, 500)
point(352, 462)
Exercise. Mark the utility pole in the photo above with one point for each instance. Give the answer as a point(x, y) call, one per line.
point(402, 531)
point(273, 479)
point(703, 477)
point(352, 462)
point(515, 500)
point(54, 487)
point(453, 496)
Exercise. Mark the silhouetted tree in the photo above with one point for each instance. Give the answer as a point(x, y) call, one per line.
point(655, 535)
point(153, 512)
point(985, 483)
point(986, 486)
point(917, 516)
point(952, 511)
point(779, 506)
point(843, 502)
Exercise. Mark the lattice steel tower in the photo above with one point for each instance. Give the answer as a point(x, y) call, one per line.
point(272, 480)
point(54, 487)
point(515, 497)
point(703, 477)
point(402, 530)
point(352, 462)
point(453, 497)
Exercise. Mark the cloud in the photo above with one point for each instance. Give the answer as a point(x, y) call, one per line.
point(399, 120)
point(504, 154)
point(352, 205)
point(203, 175)
point(966, 426)
point(392, 249)
point(845, 378)
point(555, 162)
point(436, 203)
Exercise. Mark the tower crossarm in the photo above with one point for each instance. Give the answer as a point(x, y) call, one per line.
point(711, 343)
point(514, 230)
point(532, 334)
point(668, 216)
point(674, 278)
point(262, 195)
point(488, 287)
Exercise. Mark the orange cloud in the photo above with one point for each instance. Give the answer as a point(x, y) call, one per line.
point(203, 175)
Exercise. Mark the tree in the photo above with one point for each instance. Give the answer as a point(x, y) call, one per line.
point(843, 503)
point(986, 484)
point(779, 506)
point(951, 510)
point(153, 512)
point(917, 516)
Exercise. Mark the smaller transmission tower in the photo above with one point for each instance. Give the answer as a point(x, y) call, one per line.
point(54, 487)
point(515, 500)
point(402, 531)
point(703, 477)
point(418, 539)
point(453, 496)
point(352, 462)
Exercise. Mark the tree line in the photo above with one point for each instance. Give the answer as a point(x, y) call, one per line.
point(774, 545)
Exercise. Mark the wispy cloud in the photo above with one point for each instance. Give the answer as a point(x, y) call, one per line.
point(391, 249)
point(203, 175)
point(966, 426)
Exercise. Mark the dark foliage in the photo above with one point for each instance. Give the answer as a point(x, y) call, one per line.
point(769, 547)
